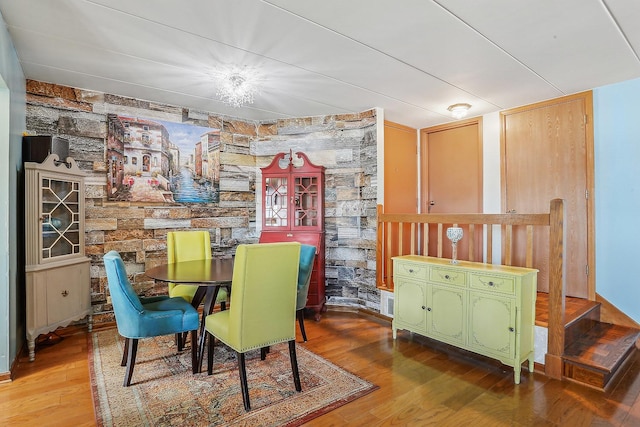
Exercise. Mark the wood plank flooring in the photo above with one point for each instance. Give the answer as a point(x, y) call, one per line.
point(421, 383)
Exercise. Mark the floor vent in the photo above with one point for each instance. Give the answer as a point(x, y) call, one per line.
point(386, 303)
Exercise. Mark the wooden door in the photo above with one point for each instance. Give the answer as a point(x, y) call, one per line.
point(547, 153)
point(400, 176)
point(400, 168)
point(452, 177)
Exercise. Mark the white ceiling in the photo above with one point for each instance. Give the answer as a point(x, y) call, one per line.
point(413, 58)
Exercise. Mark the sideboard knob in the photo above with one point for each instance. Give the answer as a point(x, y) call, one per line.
point(511, 329)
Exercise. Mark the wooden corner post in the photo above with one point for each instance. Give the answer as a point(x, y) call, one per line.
point(557, 289)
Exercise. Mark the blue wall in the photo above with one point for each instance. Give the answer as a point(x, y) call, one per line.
point(617, 192)
point(12, 124)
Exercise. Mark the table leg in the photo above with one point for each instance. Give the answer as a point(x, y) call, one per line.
point(195, 302)
point(209, 302)
point(198, 296)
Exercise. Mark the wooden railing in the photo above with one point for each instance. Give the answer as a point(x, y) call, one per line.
point(404, 234)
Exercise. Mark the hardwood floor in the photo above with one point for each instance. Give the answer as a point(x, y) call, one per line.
point(421, 383)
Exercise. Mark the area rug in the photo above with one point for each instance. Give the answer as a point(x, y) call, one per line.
point(164, 392)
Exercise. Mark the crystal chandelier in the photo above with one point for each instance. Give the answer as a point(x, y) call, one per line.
point(237, 87)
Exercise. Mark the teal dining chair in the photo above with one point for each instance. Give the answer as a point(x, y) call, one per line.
point(263, 308)
point(138, 318)
point(305, 268)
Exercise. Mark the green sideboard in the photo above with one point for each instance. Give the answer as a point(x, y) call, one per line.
point(484, 308)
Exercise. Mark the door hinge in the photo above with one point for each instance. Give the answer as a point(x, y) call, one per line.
point(586, 194)
point(586, 119)
point(586, 269)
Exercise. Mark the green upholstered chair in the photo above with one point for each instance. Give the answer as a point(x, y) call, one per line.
point(307, 256)
point(190, 246)
point(138, 318)
point(263, 309)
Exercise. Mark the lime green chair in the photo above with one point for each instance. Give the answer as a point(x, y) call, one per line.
point(190, 246)
point(263, 312)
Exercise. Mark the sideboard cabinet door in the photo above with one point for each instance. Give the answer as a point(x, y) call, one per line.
point(447, 314)
point(410, 305)
point(492, 325)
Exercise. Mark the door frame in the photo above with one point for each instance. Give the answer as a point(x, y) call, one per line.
point(587, 98)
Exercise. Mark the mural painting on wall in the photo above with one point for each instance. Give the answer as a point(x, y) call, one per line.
point(151, 160)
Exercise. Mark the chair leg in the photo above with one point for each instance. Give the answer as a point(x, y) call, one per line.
point(180, 339)
point(210, 353)
point(294, 365)
point(184, 340)
point(300, 316)
point(131, 361)
point(243, 381)
point(194, 351)
point(125, 351)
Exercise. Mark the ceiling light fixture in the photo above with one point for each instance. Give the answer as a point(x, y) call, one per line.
point(458, 111)
point(237, 87)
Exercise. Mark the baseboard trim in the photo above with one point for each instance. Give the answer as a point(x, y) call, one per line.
point(6, 377)
point(360, 310)
point(609, 313)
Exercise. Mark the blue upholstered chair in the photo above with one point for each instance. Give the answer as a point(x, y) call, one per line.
point(307, 256)
point(263, 306)
point(147, 317)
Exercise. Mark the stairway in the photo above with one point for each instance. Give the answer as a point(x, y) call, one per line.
point(595, 352)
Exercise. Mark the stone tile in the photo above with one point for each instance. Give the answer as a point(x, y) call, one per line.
point(100, 224)
point(151, 223)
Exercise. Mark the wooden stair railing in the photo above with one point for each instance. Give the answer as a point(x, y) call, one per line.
point(397, 231)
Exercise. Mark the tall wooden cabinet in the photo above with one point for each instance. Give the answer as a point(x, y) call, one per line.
point(293, 210)
point(484, 308)
point(57, 271)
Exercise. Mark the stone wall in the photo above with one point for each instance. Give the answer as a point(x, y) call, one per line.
point(344, 144)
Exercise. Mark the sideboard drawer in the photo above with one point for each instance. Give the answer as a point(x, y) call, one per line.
point(449, 276)
point(415, 271)
point(504, 285)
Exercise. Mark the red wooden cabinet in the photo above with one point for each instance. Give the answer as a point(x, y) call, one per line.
point(293, 210)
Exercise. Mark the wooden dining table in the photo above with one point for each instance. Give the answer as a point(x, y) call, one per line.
point(209, 275)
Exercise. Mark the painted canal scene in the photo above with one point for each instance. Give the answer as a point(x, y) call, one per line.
point(157, 161)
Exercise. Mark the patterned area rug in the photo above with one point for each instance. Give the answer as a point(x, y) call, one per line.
point(164, 392)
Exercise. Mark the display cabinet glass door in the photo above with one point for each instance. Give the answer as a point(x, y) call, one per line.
point(60, 216)
point(306, 191)
point(276, 201)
